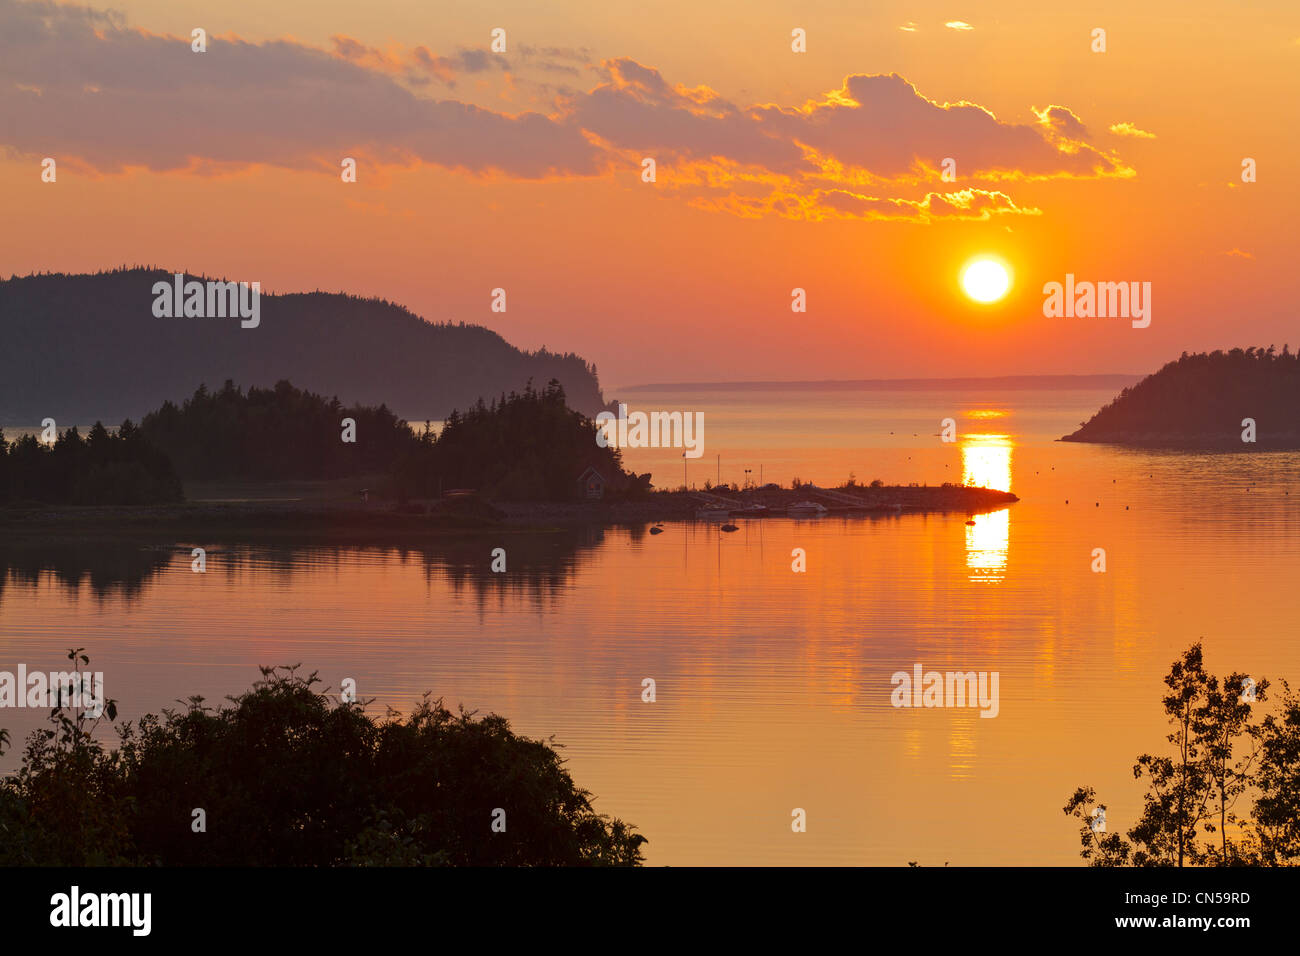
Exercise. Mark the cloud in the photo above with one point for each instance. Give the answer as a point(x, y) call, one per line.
point(976, 205)
point(82, 85)
point(883, 124)
point(908, 27)
point(1238, 253)
point(417, 65)
point(958, 25)
point(1128, 129)
point(1062, 124)
point(875, 134)
point(556, 59)
point(157, 104)
point(875, 127)
point(635, 109)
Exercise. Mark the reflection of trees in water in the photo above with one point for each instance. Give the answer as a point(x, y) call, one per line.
point(106, 568)
point(539, 566)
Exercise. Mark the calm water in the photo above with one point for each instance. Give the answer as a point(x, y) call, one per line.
point(773, 687)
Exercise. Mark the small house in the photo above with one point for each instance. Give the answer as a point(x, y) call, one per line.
point(591, 484)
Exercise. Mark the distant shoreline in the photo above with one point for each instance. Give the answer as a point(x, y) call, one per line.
point(1052, 382)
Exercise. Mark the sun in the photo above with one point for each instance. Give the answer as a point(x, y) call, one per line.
point(985, 280)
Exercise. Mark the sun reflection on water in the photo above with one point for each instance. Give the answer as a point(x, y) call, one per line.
point(986, 462)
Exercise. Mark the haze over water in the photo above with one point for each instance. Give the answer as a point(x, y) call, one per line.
point(773, 687)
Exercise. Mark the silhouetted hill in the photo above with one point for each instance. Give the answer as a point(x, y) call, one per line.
point(1201, 400)
point(78, 348)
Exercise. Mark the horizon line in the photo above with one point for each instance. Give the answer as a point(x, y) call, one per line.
point(1098, 378)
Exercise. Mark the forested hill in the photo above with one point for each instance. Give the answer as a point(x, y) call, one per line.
point(1201, 400)
point(80, 348)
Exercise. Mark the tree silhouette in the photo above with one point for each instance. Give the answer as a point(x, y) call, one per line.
point(522, 446)
point(1220, 754)
point(274, 433)
point(101, 469)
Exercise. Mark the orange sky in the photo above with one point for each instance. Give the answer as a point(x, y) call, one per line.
point(521, 170)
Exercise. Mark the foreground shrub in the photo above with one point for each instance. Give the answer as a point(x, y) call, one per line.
point(286, 776)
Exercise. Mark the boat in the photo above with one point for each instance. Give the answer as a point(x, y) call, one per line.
point(729, 527)
point(806, 509)
point(712, 514)
point(656, 530)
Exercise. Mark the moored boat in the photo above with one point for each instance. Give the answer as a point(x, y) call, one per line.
point(712, 514)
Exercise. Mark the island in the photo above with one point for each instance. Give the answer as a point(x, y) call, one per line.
point(234, 464)
point(1243, 399)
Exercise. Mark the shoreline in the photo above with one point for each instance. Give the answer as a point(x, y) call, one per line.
point(386, 520)
point(1183, 443)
